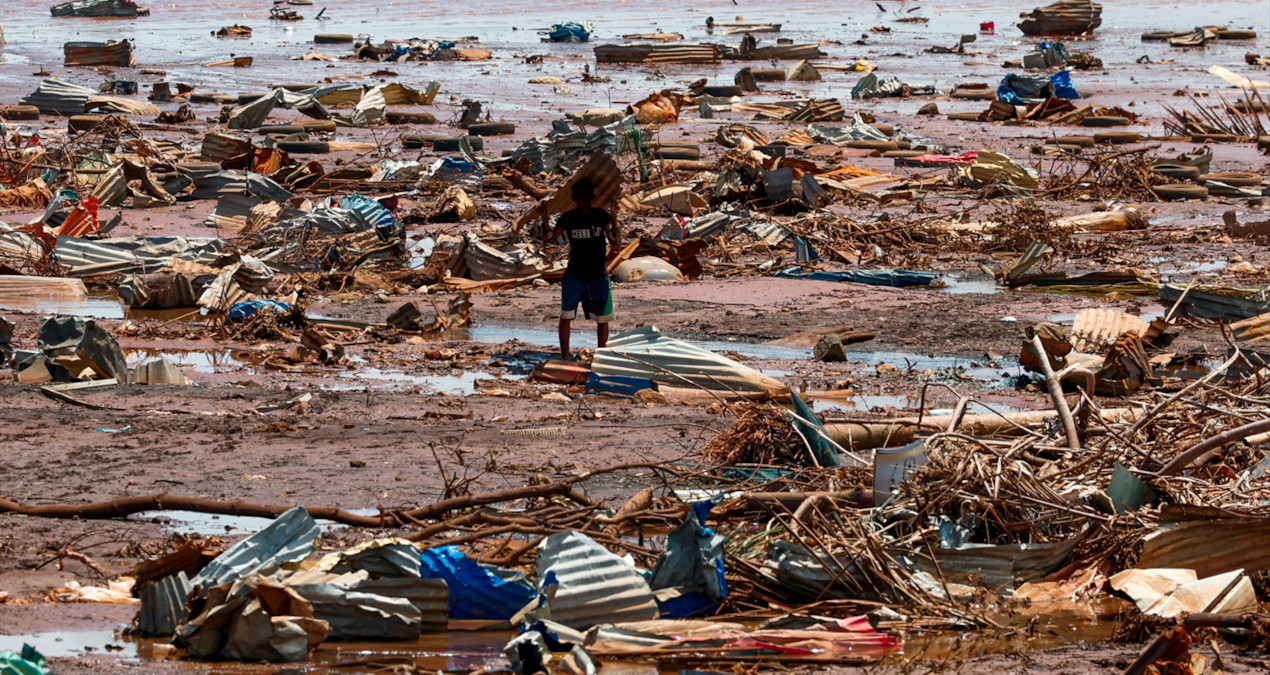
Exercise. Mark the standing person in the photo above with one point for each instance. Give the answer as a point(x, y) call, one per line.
point(586, 279)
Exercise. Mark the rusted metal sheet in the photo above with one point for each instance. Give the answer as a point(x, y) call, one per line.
point(1066, 17)
point(1207, 540)
point(220, 148)
point(658, 53)
point(113, 53)
point(646, 353)
point(1094, 330)
point(1255, 329)
point(13, 287)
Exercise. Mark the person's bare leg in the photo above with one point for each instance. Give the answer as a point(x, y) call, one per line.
point(564, 338)
point(602, 334)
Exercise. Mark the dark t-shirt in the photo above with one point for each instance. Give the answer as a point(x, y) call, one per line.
point(588, 246)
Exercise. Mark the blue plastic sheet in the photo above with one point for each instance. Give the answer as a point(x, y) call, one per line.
point(568, 32)
point(616, 385)
point(241, 311)
point(476, 592)
point(374, 212)
point(692, 563)
point(1014, 88)
point(895, 278)
point(1063, 87)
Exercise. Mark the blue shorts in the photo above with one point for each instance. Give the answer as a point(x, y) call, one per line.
point(590, 294)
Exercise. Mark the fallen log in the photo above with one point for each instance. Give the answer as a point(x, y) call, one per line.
point(904, 430)
point(1186, 457)
point(126, 506)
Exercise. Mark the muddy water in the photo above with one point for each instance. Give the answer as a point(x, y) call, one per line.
point(1041, 626)
point(98, 305)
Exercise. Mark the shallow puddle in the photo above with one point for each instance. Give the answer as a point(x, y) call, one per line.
point(98, 305)
point(867, 402)
point(918, 362)
point(956, 286)
point(213, 524)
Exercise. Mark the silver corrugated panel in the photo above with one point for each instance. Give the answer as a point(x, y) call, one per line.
point(59, 97)
point(646, 353)
point(16, 287)
point(231, 212)
point(1000, 567)
point(112, 188)
point(658, 53)
point(429, 596)
point(252, 115)
point(485, 263)
point(74, 253)
point(1208, 305)
point(354, 614)
point(594, 585)
point(288, 538)
point(163, 605)
point(221, 147)
point(780, 53)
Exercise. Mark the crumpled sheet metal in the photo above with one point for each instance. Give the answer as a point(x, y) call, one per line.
point(387, 558)
point(84, 343)
point(289, 538)
point(692, 564)
point(253, 619)
point(429, 596)
point(584, 584)
point(163, 605)
point(678, 364)
point(1000, 567)
point(1094, 330)
point(253, 115)
point(485, 263)
point(99, 8)
point(59, 97)
point(355, 615)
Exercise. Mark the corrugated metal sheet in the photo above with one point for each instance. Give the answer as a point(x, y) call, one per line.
point(594, 585)
point(1256, 329)
point(1094, 330)
point(485, 263)
point(41, 288)
point(122, 106)
point(777, 52)
point(359, 615)
point(1207, 541)
point(232, 212)
point(429, 596)
point(163, 605)
point(1002, 567)
point(252, 115)
point(99, 8)
point(658, 53)
point(59, 97)
point(1066, 17)
point(290, 537)
point(221, 147)
point(1206, 305)
point(111, 53)
point(669, 361)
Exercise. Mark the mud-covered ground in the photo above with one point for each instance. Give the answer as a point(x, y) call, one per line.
point(389, 428)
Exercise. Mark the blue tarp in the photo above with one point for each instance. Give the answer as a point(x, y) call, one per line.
point(568, 32)
point(616, 385)
point(895, 278)
point(692, 563)
point(476, 591)
point(1014, 88)
point(241, 311)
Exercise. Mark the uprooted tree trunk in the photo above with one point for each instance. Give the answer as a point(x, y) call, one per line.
point(125, 506)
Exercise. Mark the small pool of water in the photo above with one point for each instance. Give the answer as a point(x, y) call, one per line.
point(214, 524)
